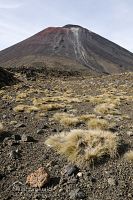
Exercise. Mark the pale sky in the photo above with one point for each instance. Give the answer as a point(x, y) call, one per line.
point(112, 19)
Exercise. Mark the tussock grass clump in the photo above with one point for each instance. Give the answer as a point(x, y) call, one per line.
point(40, 107)
point(56, 99)
point(50, 107)
point(25, 108)
point(106, 108)
point(1, 127)
point(129, 156)
point(21, 96)
point(87, 117)
point(96, 123)
point(66, 119)
point(103, 98)
point(7, 97)
point(81, 146)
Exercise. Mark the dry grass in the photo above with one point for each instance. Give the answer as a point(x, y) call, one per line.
point(129, 156)
point(21, 96)
point(66, 119)
point(103, 98)
point(98, 124)
point(86, 117)
point(65, 99)
point(7, 97)
point(81, 146)
point(52, 106)
point(41, 107)
point(25, 108)
point(106, 108)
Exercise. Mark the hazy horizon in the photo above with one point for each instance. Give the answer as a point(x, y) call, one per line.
point(111, 19)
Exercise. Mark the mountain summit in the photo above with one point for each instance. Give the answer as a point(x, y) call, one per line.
point(72, 46)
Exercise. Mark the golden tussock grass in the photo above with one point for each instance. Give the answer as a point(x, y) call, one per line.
point(2, 92)
point(81, 146)
point(21, 96)
point(129, 156)
point(56, 99)
point(25, 108)
point(96, 123)
point(103, 98)
point(41, 107)
point(50, 107)
point(86, 117)
point(106, 108)
point(66, 119)
point(7, 97)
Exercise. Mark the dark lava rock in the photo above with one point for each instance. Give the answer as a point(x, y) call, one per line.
point(15, 154)
point(2, 175)
point(6, 78)
point(54, 130)
point(40, 131)
point(71, 170)
point(45, 126)
point(20, 125)
point(77, 194)
point(5, 135)
point(27, 138)
point(16, 137)
point(93, 180)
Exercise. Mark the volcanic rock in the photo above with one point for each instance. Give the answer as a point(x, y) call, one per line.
point(38, 178)
point(6, 78)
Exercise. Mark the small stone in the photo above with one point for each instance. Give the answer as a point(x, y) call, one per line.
point(2, 175)
point(39, 178)
point(20, 125)
point(14, 154)
point(71, 170)
point(11, 168)
point(51, 163)
point(4, 116)
point(40, 131)
point(13, 122)
point(80, 174)
point(77, 194)
point(61, 190)
point(54, 130)
point(26, 138)
point(45, 126)
point(93, 180)
point(130, 133)
point(88, 174)
point(112, 181)
point(16, 137)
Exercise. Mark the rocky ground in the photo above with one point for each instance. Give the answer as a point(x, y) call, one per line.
point(26, 113)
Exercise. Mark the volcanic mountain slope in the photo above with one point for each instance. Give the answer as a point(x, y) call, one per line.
point(6, 78)
point(73, 44)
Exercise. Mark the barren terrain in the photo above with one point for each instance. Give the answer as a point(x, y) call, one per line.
point(43, 106)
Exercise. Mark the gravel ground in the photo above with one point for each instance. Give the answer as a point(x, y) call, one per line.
point(108, 179)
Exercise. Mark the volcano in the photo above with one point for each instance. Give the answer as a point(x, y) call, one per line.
point(68, 47)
